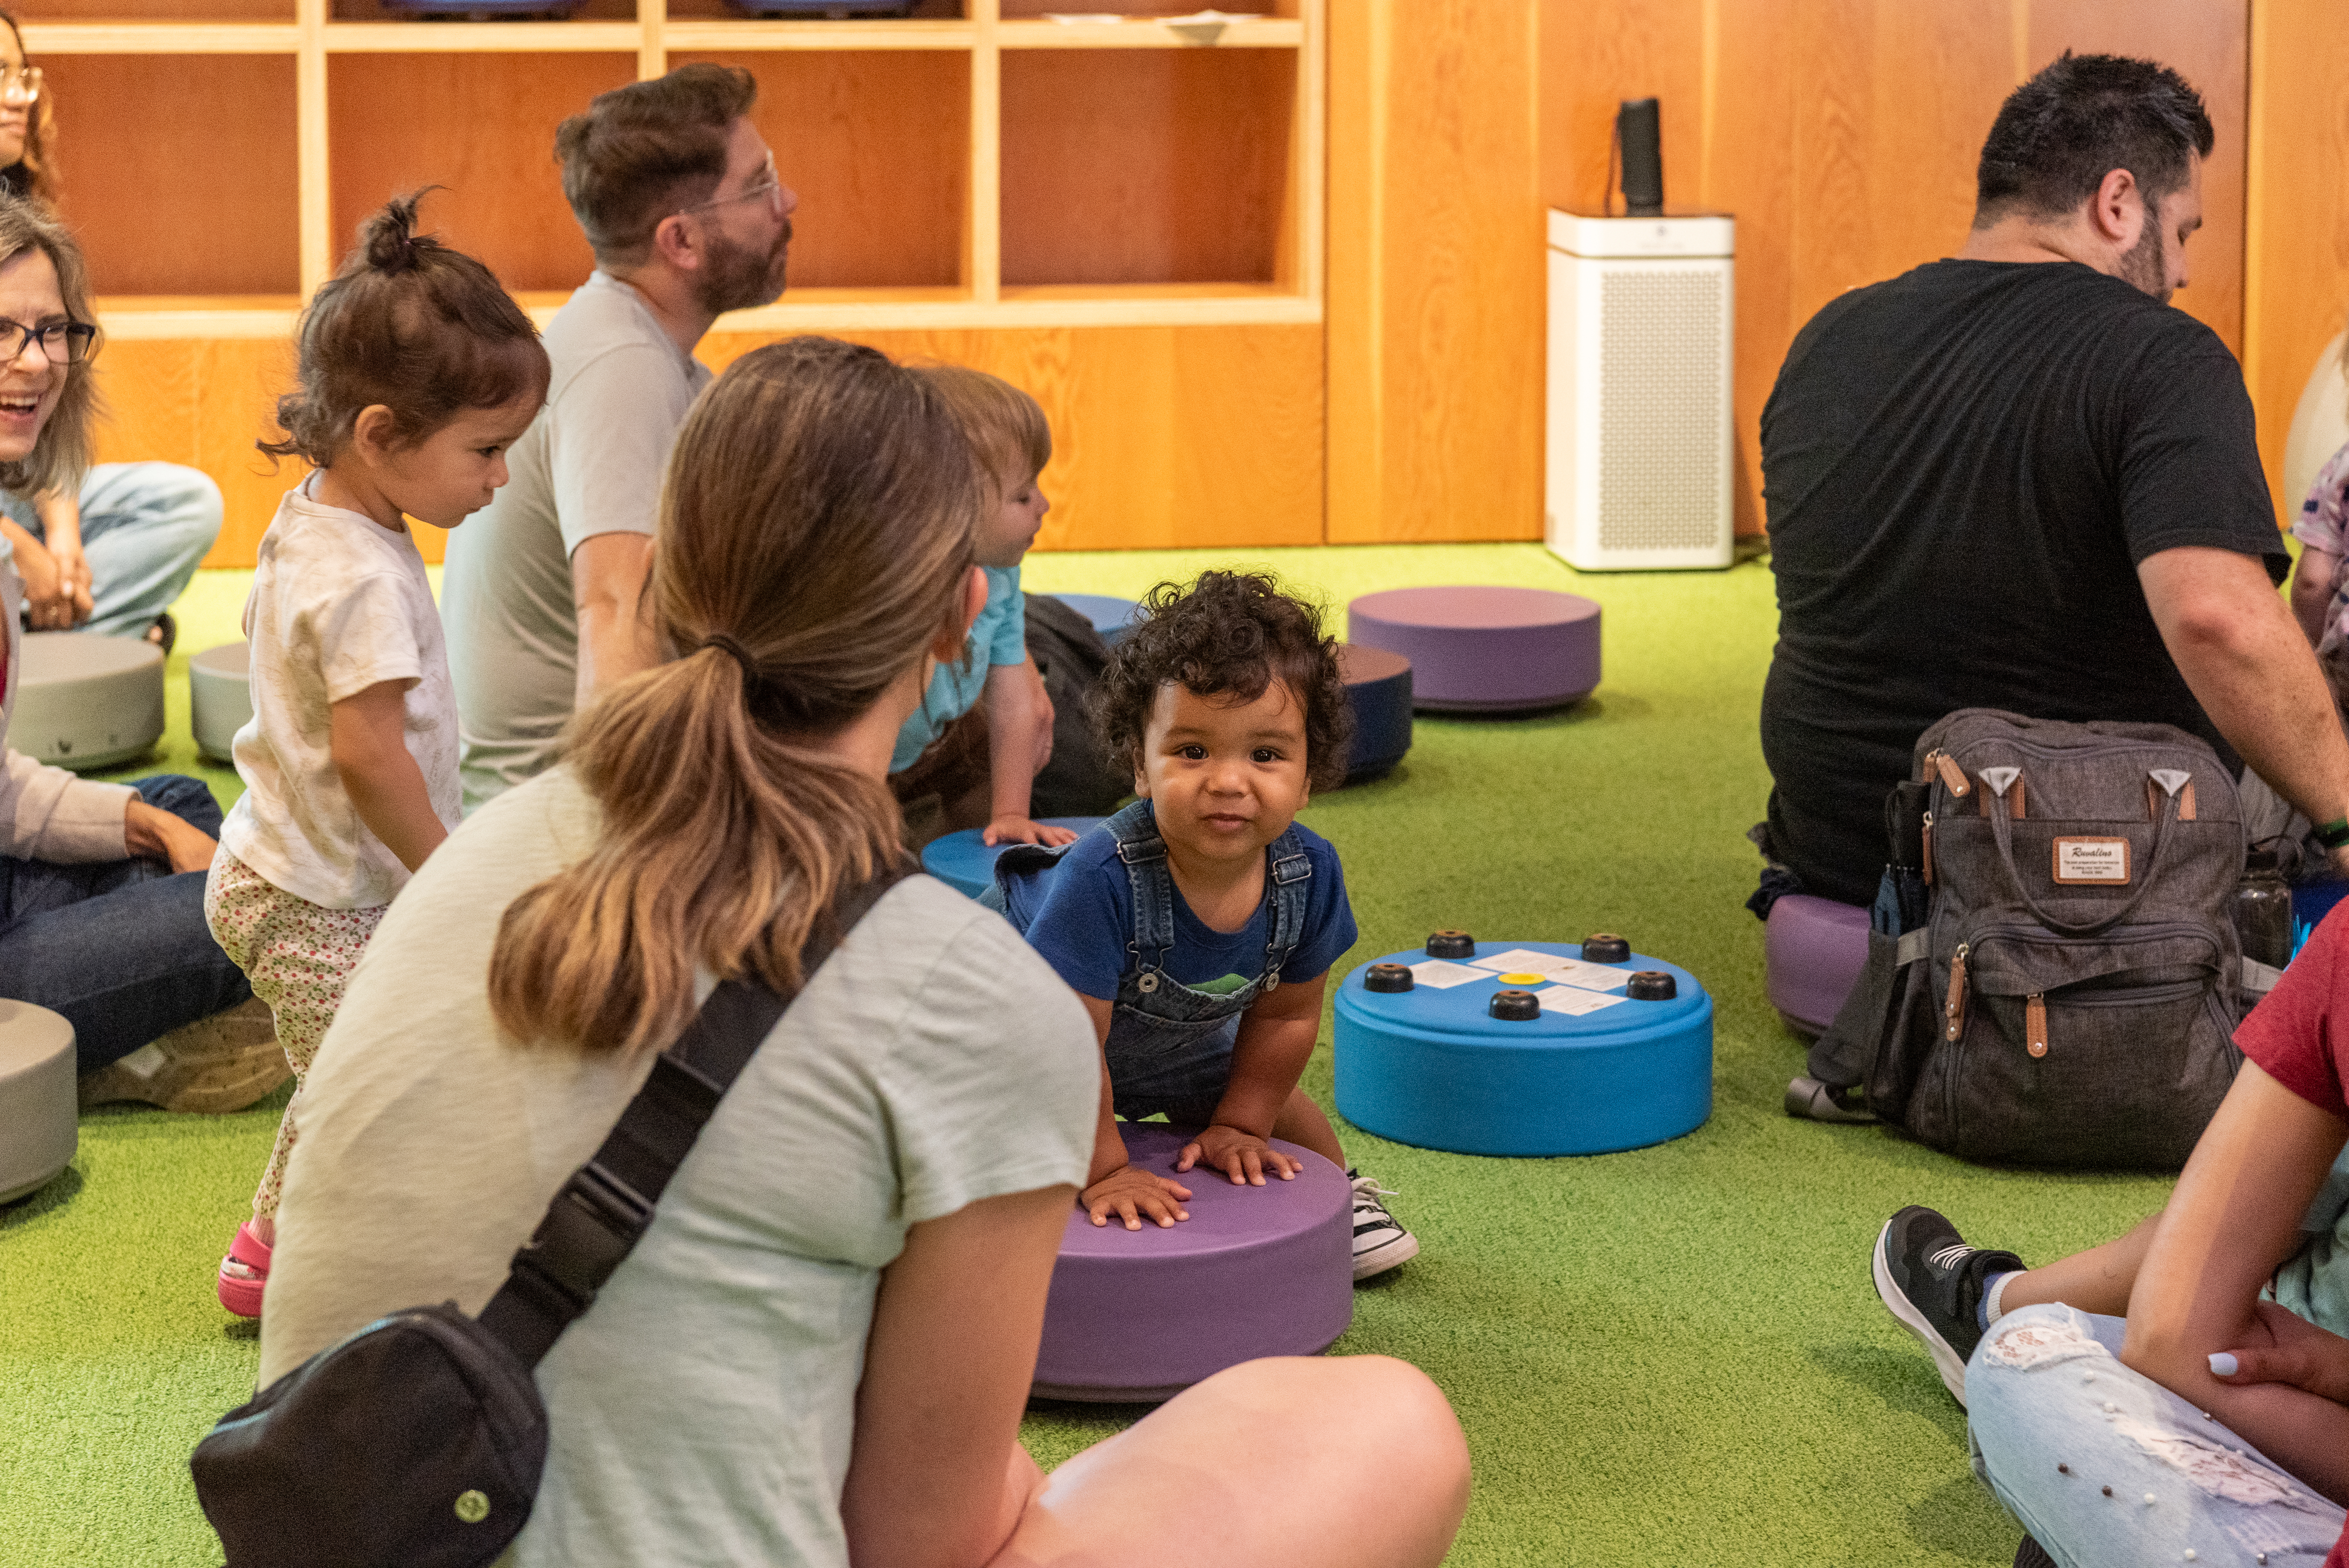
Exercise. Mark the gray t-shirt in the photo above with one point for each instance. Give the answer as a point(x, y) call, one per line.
point(590, 464)
point(702, 1411)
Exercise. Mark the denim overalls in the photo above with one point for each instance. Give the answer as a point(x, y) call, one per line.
point(1170, 1046)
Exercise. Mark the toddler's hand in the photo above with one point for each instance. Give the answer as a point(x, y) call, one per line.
point(1243, 1156)
point(1130, 1193)
point(1011, 828)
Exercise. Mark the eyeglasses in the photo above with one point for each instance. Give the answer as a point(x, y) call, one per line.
point(770, 184)
point(61, 342)
point(20, 86)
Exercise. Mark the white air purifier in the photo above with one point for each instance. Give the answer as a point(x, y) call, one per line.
point(1641, 319)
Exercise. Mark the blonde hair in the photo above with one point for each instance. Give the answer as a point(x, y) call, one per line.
point(1007, 429)
point(814, 539)
point(62, 453)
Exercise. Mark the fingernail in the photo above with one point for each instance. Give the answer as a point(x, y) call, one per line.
point(2223, 1364)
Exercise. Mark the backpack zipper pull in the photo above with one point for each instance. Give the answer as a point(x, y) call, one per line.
point(1953, 777)
point(1954, 1010)
point(2035, 1023)
point(1929, 849)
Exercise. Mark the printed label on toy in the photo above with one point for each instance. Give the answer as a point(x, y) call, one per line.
point(1521, 958)
point(1442, 974)
point(1588, 976)
point(1574, 1001)
point(2092, 860)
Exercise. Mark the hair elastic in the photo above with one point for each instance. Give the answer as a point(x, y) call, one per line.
point(2334, 834)
point(734, 650)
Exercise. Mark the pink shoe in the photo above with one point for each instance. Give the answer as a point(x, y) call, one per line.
point(244, 1272)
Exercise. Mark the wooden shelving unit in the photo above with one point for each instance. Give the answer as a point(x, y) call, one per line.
point(965, 172)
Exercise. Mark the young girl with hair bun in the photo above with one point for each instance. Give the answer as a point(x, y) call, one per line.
point(416, 372)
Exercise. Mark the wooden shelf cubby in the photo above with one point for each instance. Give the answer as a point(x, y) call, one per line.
point(974, 165)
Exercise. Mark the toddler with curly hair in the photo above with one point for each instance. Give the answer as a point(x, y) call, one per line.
point(1199, 924)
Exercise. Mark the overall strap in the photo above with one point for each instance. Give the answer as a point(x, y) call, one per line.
point(599, 1215)
point(1144, 853)
point(1291, 879)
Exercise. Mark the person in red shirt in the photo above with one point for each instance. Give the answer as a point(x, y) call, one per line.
point(2140, 1402)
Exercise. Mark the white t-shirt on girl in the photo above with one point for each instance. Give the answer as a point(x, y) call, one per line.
point(339, 604)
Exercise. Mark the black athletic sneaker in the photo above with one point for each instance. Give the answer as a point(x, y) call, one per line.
point(1933, 1281)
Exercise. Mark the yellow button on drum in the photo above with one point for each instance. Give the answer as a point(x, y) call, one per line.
point(1524, 979)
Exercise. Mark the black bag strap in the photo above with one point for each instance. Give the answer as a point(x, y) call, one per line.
point(599, 1215)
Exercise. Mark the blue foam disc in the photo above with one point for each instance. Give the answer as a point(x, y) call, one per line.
point(967, 866)
point(1113, 617)
point(1596, 1071)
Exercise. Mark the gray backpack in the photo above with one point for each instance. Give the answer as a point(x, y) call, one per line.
point(2071, 995)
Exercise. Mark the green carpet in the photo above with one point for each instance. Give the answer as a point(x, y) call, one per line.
point(1669, 1355)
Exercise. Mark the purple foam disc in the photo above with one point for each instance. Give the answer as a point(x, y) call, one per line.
point(1140, 1315)
point(1484, 648)
point(1813, 951)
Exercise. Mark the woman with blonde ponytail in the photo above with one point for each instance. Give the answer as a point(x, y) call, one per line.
point(820, 1351)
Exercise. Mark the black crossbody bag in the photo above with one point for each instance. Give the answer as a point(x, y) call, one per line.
point(418, 1440)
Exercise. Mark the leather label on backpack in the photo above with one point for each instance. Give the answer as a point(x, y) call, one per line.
point(2092, 860)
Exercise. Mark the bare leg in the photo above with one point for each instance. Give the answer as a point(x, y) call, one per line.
point(2096, 1280)
point(1300, 1121)
point(1342, 1462)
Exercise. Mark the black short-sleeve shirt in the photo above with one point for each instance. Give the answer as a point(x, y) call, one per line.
point(1963, 468)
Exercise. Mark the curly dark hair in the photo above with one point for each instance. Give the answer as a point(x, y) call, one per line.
point(1232, 632)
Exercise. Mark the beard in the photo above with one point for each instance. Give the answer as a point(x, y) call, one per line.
point(740, 278)
point(2143, 265)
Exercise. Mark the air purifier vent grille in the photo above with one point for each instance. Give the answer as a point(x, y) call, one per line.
point(1660, 410)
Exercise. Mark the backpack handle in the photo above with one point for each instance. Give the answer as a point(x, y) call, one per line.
point(2002, 830)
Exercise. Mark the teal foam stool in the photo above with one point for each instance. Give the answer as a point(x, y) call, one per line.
point(967, 866)
point(1524, 1048)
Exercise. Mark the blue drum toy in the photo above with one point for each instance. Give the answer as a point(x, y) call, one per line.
point(1524, 1048)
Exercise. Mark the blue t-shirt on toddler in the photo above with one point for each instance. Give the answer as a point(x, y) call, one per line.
point(999, 636)
point(1086, 921)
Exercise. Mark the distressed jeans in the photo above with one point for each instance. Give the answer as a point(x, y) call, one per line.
point(2106, 1468)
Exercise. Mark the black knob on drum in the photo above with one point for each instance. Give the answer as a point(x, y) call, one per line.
point(1387, 977)
point(1606, 947)
point(1513, 1006)
point(1652, 985)
point(1450, 945)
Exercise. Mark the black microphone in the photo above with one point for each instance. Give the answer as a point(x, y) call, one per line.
point(1639, 129)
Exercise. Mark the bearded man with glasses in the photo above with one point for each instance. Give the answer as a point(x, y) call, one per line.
point(541, 596)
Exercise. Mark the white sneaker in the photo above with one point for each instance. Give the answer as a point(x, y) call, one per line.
point(1380, 1242)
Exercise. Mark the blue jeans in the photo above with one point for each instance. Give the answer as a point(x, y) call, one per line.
point(119, 948)
point(145, 527)
point(2147, 1477)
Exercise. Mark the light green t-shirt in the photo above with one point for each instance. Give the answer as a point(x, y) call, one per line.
point(702, 1411)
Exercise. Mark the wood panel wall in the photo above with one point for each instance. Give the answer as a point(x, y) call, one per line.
point(2297, 248)
point(1843, 134)
point(1436, 271)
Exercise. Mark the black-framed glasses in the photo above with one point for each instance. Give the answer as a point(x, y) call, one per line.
point(61, 342)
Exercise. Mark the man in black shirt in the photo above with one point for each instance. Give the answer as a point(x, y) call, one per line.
point(2019, 479)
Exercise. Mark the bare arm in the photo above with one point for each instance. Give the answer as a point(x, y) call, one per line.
point(2312, 590)
point(1113, 1186)
point(1019, 713)
point(1276, 1040)
point(61, 515)
point(2244, 657)
point(936, 1478)
point(367, 737)
point(607, 585)
point(2234, 1216)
